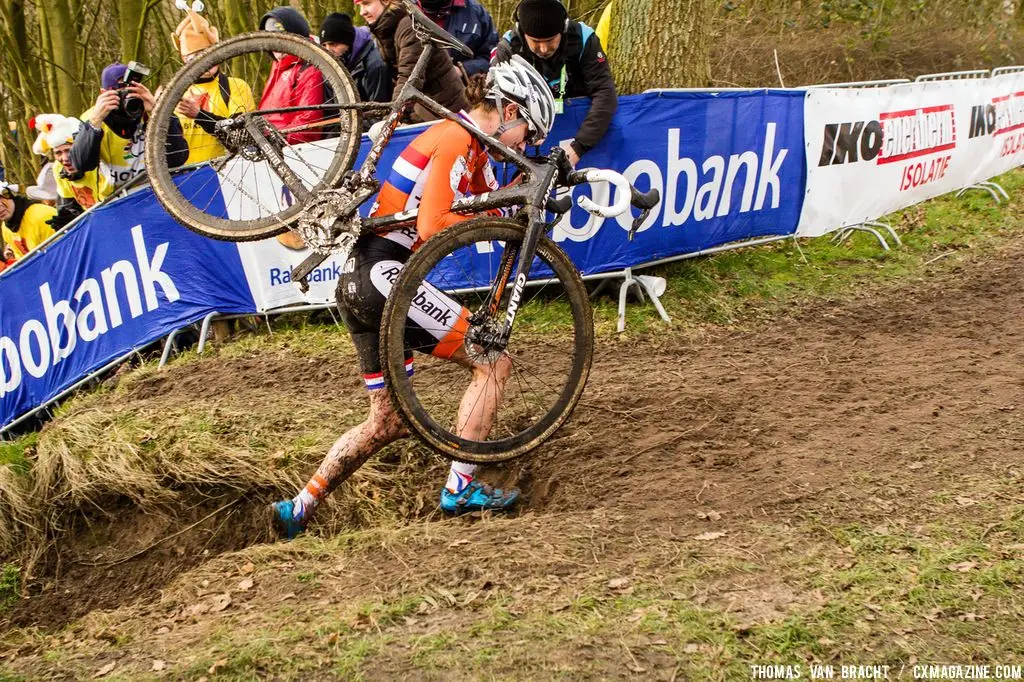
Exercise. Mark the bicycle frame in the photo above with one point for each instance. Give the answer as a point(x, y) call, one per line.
point(531, 193)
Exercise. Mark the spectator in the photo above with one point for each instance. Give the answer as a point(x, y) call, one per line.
point(470, 23)
point(355, 49)
point(291, 82)
point(77, 191)
point(570, 56)
point(398, 44)
point(114, 140)
point(25, 223)
point(214, 96)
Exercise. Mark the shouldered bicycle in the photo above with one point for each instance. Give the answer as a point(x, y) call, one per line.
point(271, 177)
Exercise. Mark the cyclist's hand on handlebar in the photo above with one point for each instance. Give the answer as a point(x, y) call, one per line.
point(570, 153)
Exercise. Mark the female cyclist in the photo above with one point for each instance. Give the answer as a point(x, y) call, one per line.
point(444, 163)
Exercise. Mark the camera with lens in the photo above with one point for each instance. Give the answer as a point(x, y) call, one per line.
point(127, 103)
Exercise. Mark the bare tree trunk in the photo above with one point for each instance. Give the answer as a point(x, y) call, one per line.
point(661, 43)
point(64, 56)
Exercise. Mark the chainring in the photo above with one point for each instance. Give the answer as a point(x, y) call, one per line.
point(325, 227)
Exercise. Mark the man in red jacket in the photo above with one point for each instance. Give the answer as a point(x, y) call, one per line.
point(292, 82)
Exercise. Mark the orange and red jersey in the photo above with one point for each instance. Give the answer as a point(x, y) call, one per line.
point(442, 164)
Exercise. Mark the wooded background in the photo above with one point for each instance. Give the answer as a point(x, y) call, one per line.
point(52, 51)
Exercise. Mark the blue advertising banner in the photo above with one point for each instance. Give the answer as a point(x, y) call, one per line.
point(123, 276)
point(729, 167)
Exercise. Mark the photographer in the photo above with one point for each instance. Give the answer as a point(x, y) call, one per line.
point(114, 137)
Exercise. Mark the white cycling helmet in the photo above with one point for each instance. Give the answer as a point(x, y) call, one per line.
point(516, 81)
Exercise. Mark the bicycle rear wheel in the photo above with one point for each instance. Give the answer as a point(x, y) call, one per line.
point(550, 349)
point(233, 190)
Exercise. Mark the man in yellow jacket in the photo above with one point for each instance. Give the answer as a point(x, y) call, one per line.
point(25, 223)
point(214, 97)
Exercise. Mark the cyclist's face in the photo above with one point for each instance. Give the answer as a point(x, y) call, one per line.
point(371, 10)
point(514, 137)
point(544, 48)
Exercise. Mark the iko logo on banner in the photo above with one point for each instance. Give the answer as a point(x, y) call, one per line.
point(1003, 116)
point(893, 137)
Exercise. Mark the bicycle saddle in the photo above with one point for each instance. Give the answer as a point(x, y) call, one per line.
point(425, 27)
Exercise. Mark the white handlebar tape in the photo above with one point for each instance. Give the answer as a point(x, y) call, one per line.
point(622, 191)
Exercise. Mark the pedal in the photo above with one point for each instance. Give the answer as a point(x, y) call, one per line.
point(301, 271)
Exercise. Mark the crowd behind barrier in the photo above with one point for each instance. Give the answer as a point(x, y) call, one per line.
point(732, 166)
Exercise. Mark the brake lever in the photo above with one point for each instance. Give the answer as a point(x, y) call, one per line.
point(637, 222)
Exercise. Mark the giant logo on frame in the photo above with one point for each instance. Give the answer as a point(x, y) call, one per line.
point(894, 137)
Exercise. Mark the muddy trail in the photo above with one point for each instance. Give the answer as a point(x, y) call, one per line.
point(903, 388)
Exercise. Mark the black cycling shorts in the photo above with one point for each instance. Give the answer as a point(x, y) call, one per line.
point(436, 323)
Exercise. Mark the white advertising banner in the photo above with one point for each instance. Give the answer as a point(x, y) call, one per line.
point(872, 151)
point(251, 190)
point(997, 123)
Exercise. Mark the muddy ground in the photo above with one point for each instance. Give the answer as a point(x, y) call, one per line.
point(855, 410)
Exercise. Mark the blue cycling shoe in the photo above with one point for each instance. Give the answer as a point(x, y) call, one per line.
point(478, 496)
point(282, 518)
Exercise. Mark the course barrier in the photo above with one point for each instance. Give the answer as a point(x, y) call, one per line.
point(734, 168)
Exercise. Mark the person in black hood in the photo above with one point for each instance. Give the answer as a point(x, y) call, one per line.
point(288, 19)
point(355, 49)
point(113, 140)
point(570, 57)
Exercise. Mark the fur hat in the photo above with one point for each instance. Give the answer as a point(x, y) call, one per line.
point(54, 130)
point(194, 33)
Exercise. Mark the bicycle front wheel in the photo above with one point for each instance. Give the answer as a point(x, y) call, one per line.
point(445, 290)
point(252, 172)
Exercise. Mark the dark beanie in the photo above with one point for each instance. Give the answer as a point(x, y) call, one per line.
point(541, 19)
point(338, 28)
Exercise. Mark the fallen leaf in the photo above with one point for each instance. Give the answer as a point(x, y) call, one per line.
point(617, 583)
point(963, 567)
point(714, 535)
point(105, 669)
point(158, 665)
point(970, 617)
point(245, 585)
point(217, 665)
point(916, 465)
point(246, 569)
point(710, 515)
point(636, 669)
point(456, 543)
point(220, 602)
point(659, 642)
point(965, 501)
point(163, 631)
point(691, 648)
